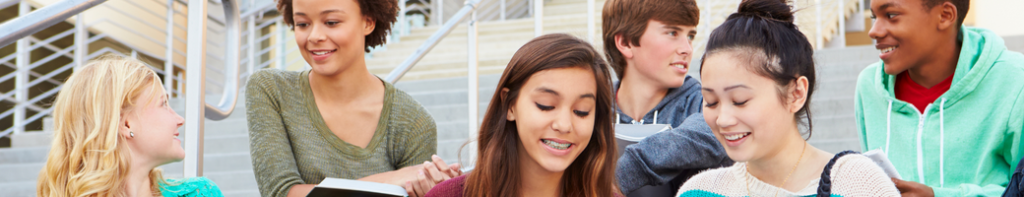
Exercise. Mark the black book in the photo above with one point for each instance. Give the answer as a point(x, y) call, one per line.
point(331, 187)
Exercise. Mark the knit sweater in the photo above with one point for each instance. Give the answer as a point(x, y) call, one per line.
point(852, 175)
point(291, 144)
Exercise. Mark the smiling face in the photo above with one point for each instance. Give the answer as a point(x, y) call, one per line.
point(662, 56)
point(554, 116)
point(745, 110)
point(330, 34)
point(155, 127)
point(906, 33)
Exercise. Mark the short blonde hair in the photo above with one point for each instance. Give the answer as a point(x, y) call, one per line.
point(88, 156)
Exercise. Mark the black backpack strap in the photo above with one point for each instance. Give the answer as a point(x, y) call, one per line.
point(825, 185)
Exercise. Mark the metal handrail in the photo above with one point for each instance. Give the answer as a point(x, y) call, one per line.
point(431, 42)
point(232, 26)
point(42, 18)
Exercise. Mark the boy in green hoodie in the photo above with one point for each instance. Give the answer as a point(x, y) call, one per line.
point(946, 103)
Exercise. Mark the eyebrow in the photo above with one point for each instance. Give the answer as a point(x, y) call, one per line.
point(887, 5)
point(322, 12)
point(672, 27)
point(550, 91)
point(727, 88)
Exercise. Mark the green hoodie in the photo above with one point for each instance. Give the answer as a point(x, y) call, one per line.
point(967, 142)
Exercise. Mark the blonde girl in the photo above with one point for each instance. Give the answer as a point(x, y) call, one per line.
point(112, 128)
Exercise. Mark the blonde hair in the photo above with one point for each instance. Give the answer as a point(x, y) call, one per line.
point(88, 156)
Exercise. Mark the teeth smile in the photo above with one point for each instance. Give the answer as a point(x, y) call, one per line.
point(679, 66)
point(321, 52)
point(556, 145)
point(887, 50)
point(736, 136)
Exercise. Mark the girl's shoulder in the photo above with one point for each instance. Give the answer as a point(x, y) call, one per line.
point(858, 175)
point(190, 187)
point(714, 182)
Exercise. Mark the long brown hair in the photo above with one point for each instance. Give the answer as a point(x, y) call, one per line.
point(497, 167)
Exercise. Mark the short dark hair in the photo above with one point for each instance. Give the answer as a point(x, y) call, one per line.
point(763, 33)
point(629, 19)
point(383, 13)
point(961, 8)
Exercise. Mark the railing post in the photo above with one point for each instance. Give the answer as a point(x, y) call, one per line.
point(841, 37)
point(169, 53)
point(707, 19)
point(538, 18)
point(440, 12)
point(21, 79)
point(474, 81)
point(195, 101)
point(281, 49)
point(590, 21)
point(81, 42)
point(503, 17)
point(402, 24)
point(253, 33)
point(818, 38)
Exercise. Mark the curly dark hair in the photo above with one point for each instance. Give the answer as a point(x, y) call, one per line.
point(383, 13)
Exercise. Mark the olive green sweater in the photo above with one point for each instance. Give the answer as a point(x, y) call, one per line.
point(291, 144)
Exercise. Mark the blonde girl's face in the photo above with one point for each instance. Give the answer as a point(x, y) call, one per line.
point(155, 127)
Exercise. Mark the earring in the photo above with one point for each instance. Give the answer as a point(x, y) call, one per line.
point(131, 134)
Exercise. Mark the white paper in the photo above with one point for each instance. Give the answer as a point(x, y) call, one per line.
point(882, 160)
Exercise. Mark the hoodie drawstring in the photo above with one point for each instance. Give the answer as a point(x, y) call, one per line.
point(655, 116)
point(888, 127)
point(920, 130)
point(942, 142)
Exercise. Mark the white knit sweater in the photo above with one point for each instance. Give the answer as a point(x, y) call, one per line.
point(852, 175)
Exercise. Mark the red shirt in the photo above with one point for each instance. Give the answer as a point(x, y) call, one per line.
point(920, 96)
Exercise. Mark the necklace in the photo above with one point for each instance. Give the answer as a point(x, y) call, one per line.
point(782, 187)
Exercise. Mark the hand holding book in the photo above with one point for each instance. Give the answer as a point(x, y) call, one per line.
point(432, 173)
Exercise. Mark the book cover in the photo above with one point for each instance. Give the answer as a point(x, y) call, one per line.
point(331, 187)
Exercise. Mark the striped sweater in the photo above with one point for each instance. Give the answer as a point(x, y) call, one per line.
point(291, 144)
point(852, 175)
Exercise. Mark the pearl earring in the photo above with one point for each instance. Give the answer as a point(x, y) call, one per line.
point(131, 134)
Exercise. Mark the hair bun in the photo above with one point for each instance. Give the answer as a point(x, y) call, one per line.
point(768, 9)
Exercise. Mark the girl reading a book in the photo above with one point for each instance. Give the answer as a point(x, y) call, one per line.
point(337, 119)
point(112, 128)
point(548, 128)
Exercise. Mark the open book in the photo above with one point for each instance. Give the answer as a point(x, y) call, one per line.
point(344, 187)
point(880, 158)
point(627, 134)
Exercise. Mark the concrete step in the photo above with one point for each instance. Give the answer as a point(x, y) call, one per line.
point(25, 188)
point(20, 172)
point(236, 181)
point(24, 155)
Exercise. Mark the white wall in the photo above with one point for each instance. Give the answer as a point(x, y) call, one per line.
point(1004, 17)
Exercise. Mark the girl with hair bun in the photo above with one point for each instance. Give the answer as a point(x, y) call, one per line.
point(758, 76)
